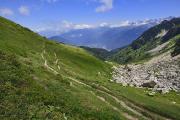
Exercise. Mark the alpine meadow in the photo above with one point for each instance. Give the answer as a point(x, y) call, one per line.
point(118, 66)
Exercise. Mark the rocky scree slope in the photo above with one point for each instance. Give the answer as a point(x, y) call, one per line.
point(161, 74)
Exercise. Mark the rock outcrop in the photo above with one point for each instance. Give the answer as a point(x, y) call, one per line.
point(161, 74)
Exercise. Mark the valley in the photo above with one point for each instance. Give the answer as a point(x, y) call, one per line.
point(43, 79)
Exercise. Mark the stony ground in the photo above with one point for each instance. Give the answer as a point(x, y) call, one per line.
point(161, 74)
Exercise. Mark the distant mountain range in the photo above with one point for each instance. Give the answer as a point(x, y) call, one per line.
point(102, 37)
point(154, 41)
point(108, 36)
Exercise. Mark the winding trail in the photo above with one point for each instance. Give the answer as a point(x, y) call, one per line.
point(46, 65)
point(135, 110)
point(117, 100)
point(126, 115)
point(129, 117)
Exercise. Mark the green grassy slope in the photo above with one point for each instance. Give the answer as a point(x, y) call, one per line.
point(177, 48)
point(42, 79)
point(29, 45)
point(97, 52)
point(30, 90)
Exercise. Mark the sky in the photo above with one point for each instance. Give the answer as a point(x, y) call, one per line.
point(40, 15)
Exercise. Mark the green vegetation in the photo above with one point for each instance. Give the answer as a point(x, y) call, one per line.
point(26, 96)
point(177, 47)
point(42, 79)
point(98, 52)
point(129, 55)
point(21, 97)
point(159, 104)
point(30, 90)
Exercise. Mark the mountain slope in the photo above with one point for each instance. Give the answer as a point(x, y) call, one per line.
point(42, 79)
point(177, 48)
point(97, 52)
point(165, 33)
point(34, 90)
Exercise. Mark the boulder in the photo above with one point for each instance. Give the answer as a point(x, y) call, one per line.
point(150, 84)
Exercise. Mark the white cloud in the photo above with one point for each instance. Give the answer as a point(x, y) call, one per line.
point(122, 24)
point(106, 6)
point(82, 26)
point(104, 24)
point(59, 27)
point(69, 25)
point(6, 12)
point(24, 10)
point(63, 26)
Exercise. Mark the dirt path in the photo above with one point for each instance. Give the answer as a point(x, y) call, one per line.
point(117, 100)
point(126, 115)
point(46, 65)
point(124, 105)
point(137, 108)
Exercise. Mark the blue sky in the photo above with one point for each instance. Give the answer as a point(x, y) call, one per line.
point(41, 14)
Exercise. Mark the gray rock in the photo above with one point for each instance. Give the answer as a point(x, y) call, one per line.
point(162, 74)
point(150, 84)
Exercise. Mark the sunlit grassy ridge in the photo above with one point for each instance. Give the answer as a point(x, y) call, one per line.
point(36, 83)
point(30, 90)
point(25, 43)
